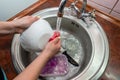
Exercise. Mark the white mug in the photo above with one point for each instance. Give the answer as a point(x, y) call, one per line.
point(36, 36)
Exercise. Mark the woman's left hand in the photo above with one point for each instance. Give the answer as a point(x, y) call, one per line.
point(21, 24)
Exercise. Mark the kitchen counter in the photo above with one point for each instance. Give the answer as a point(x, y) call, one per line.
point(110, 25)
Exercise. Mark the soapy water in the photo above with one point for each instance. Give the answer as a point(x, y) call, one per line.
point(71, 45)
point(75, 50)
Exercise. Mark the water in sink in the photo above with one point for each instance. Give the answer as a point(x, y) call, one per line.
point(72, 45)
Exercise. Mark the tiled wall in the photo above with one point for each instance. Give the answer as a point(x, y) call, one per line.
point(111, 7)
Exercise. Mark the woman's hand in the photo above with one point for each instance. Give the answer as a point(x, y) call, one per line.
point(35, 68)
point(52, 48)
point(21, 24)
point(17, 25)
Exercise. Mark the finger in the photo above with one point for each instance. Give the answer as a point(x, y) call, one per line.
point(59, 43)
point(35, 17)
point(56, 40)
point(21, 30)
point(57, 33)
point(18, 30)
point(16, 18)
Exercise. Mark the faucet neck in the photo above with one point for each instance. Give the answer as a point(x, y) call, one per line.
point(61, 8)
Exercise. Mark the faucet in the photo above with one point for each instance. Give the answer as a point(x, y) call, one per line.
point(61, 8)
point(81, 13)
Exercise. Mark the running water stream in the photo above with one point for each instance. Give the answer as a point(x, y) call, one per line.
point(58, 24)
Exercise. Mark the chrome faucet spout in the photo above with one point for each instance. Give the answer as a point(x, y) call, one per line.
point(61, 8)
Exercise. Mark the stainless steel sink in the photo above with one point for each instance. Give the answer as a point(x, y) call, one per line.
point(94, 48)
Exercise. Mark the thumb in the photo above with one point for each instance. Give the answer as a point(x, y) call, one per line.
point(18, 30)
point(56, 40)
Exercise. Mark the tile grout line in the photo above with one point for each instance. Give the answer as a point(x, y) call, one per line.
point(100, 4)
point(114, 6)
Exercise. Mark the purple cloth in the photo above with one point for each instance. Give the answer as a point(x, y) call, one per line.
point(56, 66)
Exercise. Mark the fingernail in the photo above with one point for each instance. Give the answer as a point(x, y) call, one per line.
point(36, 16)
point(59, 37)
point(16, 18)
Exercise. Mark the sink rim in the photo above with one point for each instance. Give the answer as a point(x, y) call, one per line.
point(102, 68)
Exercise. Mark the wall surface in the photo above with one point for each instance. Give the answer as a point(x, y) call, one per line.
point(111, 7)
point(12, 7)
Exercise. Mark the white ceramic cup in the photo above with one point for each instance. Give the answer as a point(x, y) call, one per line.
point(36, 36)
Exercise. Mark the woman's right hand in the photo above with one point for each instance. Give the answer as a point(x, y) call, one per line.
point(52, 47)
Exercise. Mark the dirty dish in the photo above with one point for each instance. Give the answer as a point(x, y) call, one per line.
point(36, 36)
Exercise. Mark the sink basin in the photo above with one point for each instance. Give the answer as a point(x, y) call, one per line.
point(93, 46)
